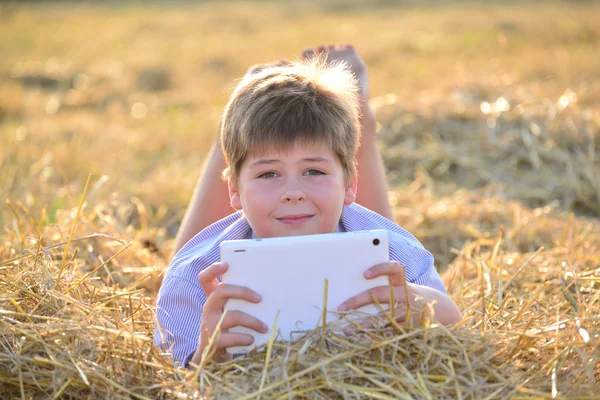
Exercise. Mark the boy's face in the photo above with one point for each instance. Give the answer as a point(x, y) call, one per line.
point(296, 192)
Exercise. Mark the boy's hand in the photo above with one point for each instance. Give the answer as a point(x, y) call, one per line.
point(217, 296)
point(445, 310)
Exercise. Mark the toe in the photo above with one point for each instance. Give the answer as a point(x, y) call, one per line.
point(255, 68)
point(348, 48)
point(281, 63)
point(308, 53)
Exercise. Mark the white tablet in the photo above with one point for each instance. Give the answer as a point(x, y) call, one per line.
point(289, 273)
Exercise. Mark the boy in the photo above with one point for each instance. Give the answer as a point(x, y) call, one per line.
point(290, 135)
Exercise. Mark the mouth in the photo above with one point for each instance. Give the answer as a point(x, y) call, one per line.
point(295, 219)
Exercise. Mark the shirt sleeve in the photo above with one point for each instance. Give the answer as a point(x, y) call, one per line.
point(178, 317)
point(432, 279)
point(419, 266)
point(404, 247)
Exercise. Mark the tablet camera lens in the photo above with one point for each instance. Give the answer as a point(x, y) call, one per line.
point(376, 242)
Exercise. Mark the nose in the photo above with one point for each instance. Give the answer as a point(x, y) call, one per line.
point(293, 196)
point(293, 192)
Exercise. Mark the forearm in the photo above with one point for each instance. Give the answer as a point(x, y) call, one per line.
point(210, 201)
point(446, 312)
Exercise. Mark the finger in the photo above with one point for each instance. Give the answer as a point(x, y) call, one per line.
point(239, 318)
point(280, 63)
point(229, 339)
point(208, 277)
point(365, 324)
point(255, 69)
point(381, 293)
point(223, 292)
point(393, 269)
point(221, 356)
point(376, 321)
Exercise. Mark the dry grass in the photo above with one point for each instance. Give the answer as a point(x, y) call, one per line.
point(540, 153)
point(82, 325)
point(490, 136)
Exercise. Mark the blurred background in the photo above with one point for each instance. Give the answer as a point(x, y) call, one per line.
point(479, 98)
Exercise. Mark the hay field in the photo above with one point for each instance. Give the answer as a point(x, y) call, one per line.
point(489, 127)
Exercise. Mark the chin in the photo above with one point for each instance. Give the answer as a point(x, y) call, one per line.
point(301, 231)
point(297, 231)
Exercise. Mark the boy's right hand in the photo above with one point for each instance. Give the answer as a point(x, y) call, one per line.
point(218, 294)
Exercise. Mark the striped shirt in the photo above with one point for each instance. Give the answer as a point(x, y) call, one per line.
point(181, 299)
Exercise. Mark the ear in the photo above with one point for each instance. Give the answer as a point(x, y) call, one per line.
point(350, 194)
point(234, 195)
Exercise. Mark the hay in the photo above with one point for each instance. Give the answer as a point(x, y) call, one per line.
point(486, 176)
point(531, 325)
point(76, 298)
point(510, 140)
point(489, 148)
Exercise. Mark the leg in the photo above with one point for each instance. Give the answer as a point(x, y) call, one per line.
point(210, 201)
point(373, 187)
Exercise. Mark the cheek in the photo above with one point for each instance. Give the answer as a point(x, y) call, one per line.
point(328, 194)
point(258, 195)
point(327, 188)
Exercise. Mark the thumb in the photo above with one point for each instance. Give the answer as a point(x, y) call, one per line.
point(398, 274)
point(208, 277)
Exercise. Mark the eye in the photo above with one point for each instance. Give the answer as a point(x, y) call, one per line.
point(268, 175)
point(314, 172)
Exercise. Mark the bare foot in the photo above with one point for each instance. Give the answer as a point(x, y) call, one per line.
point(349, 55)
point(259, 67)
point(255, 69)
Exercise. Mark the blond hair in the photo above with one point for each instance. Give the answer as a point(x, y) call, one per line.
point(304, 101)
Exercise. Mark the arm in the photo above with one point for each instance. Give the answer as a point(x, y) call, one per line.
point(178, 312)
point(446, 312)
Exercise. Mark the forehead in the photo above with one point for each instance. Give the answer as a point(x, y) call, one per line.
point(295, 151)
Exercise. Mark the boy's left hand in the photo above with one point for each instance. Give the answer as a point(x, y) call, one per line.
point(445, 310)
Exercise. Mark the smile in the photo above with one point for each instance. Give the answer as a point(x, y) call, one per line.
point(295, 219)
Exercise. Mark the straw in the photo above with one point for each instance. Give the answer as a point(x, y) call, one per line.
point(93, 336)
point(508, 214)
